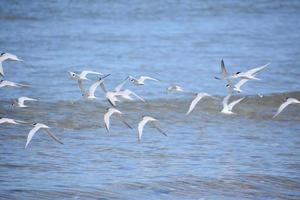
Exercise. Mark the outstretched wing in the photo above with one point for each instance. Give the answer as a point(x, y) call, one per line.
point(194, 103)
point(86, 72)
point(143, 78)
point(120, 86)
point(232, 104)
point(31, 134)
point(282, 107)
point(53, 136)
point(256, 70)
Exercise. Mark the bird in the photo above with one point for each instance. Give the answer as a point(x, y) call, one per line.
point(10, 121)
point(82, 76)
point(175, 88)
point(90, 94)
point(198, 97)
point(7, 56)
point(5, 83)
point(287, 102)
point(227, 108)
point(143, 122)
point(21, 100)
point(125, 94)
point(38, 126)
point(225, 74)
point(109, 113)
point(141, 80)
point(250, 74)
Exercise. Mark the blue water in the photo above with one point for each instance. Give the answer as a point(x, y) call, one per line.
point(206, 155)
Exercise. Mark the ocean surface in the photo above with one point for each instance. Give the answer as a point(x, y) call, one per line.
point(207, 155)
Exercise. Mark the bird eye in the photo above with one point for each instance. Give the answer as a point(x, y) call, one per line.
point(34, 124)
point(2, 54)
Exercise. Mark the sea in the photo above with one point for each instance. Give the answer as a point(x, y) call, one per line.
point(207, 155)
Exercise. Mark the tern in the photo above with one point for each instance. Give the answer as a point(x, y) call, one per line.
point(10, 121)
point(227, 108)
point(21, 100)
point(285, 104)
point(225, 75)
point(175, 88)
point(38, 126)
point(198, 97)
point(7, 56)
point(250, 74)
point(90, 94)
point(109, 113)
point(82, 76)
point(144, 121)
point(141, 80)
point(237, 87)
point(5, 83)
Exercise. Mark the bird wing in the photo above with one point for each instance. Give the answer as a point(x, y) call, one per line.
point(31, 134)
point(159, 129)
point(106, 119)
point(194, 103)
point(134, 94)
point(120, 86)
point(53, 136)
point(241, 83)
point(86, 72)
point(141, 128)
point(143, 78)
point(281, 107)
point(94, 86)
point(225, 101)
point(1, 69)
point(232, 104)
point(124, 121)
point(254, 71)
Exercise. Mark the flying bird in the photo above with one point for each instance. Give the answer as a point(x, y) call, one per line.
point(5, 83)
point(250, 74)
point(7, 56)
point(227, 108)
point(10, 121)
point(109, 113)
point(21, 100)
point(285, 104)
point(175, 88)
point(198, 97)
point(144, 121)
point(82, 76)
point(141, 80)
point(38, 126)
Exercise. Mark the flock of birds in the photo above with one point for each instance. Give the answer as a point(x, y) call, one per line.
point(119, 93)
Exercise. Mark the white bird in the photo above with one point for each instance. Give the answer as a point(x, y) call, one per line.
point(38, 126)
point(141, 80)
point(5, 83)
point(175, 88)
point(7, 56)
point(227, 108)
point(82, 76)
point(21, 100)
point(198, 97)
point(90, 94)
point(250, 74)
point(10, 121)
point(109, 113)
point(285, 104)
point(225, 75)
point(144, 121)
